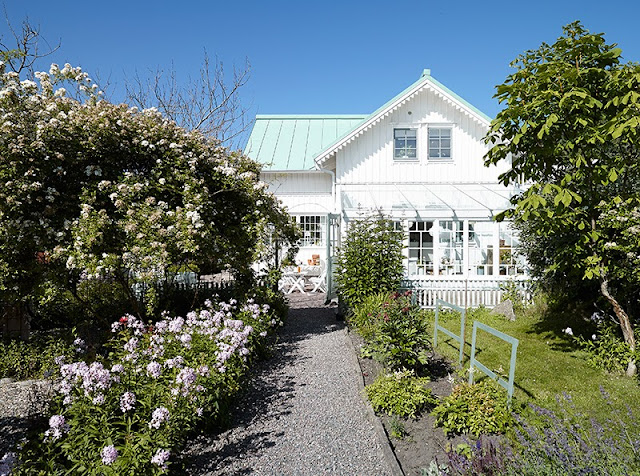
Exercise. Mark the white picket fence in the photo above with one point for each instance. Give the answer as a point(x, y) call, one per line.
point(474, 291)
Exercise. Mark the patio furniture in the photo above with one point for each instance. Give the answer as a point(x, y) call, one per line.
point(294, 280)
point(320, 282)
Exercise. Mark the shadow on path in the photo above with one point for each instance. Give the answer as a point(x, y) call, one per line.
point(269, 397)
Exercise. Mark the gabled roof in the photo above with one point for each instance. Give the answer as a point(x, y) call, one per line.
point(425, 81)
point(290, 142)
point(305, 142)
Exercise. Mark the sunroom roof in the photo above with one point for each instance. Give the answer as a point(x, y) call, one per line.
point(489, 198)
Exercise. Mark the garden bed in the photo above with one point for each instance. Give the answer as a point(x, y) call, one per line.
point(423, 441)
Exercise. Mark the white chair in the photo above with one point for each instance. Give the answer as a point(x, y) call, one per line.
point(320, 282)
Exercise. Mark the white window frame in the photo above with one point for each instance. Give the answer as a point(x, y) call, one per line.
point(313, 228)
point(481, 247)
point(433, 127)
point(510, 261)
point(400, 127)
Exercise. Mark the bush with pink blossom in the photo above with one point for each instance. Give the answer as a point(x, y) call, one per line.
point(128, 412)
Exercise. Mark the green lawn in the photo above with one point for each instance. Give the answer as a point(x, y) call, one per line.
point(548, 363)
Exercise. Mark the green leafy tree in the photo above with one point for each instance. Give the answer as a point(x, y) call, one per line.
point(370, 260)
point(570, 130)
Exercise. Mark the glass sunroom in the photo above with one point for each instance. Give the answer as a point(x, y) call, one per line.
point(448, 229)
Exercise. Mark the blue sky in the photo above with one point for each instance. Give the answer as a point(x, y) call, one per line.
point(320, 57)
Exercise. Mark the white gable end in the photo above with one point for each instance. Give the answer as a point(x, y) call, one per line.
point(369, 157)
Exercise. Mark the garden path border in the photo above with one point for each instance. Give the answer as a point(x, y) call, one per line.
point(383, 438)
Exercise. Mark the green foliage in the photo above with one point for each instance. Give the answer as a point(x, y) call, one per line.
point(397, 428)
point(568, 441)
point(34, 358)
point(569, 127)
point(478, 408)
point(365, 317)
point(606, 349)
point(370, 260)
point(400, 393)
point(104, 193)
point(157, 384)
point(399, 338)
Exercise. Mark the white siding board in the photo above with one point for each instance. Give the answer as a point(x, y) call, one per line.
point(368, 159)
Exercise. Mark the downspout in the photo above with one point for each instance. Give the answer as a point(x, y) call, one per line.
point(333, 187)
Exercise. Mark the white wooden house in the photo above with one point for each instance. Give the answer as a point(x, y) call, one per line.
point(417, 159)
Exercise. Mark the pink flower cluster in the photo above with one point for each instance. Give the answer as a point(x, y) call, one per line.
point(57, 427)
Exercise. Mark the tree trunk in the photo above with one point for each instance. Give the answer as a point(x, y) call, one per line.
point(625, 324)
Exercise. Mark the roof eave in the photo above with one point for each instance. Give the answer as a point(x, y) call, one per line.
point(424, 81)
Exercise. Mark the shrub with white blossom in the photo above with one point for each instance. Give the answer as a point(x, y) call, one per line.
point(125, 414)
point(96, 192)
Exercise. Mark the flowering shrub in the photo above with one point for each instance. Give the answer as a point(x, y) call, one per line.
point(125, 414)
point(92, 191)
point(365, 316)
point(400, 338)
point(558, 443)
point(606, 349)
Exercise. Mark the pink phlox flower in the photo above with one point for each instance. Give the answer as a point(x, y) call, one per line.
point(131, 345)
point(81, 346)
point(57, 427)
point(154, 369)
point(109, 454)
point(175, 325)
point(159, 415)
point(127, 401)
point(161, 327)
point(177, 362)
point(192, 318)
point(186, 340)
point(186, 377)
point(160, 458)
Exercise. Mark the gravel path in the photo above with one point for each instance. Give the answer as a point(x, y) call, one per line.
point(303, 414)
point(21, 404)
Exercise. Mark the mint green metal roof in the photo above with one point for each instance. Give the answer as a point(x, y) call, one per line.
point(290, 142)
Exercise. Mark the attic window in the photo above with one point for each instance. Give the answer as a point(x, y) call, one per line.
point(440, 143)
point(405, 144)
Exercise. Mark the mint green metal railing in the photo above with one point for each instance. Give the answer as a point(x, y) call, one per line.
point(474, 364)
point(438, 327)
